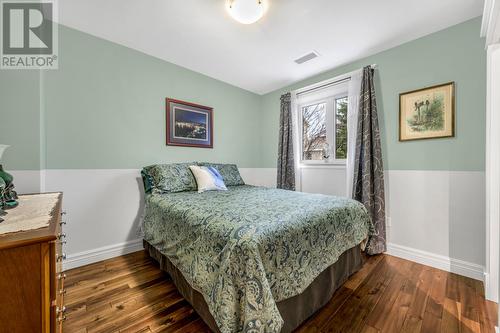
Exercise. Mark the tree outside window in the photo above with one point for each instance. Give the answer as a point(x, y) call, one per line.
point(324, 125)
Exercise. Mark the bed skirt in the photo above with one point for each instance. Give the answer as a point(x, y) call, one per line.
point(294, 310)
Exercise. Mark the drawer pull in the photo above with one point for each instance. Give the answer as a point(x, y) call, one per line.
point(61, 276)
point(62, 242)
point(61, 318)
point(61, 235)
point(61, 257)
point(62, 223)
point(60, 310)
point(63, 213)
point(62, 292)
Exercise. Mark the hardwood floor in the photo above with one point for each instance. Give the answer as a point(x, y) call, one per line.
point(131, 294)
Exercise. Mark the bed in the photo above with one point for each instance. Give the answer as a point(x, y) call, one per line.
point(254, 259)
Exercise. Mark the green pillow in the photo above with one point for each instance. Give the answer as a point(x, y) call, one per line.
point(176, 177)
point(147, 181)
point(229, 172)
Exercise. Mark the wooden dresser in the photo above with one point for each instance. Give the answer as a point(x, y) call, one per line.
point(31, 277)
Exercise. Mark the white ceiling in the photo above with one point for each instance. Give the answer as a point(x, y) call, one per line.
point(200, 35)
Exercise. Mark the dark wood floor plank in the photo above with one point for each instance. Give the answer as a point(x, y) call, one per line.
point(109, 311)
point(133, 311)
point(487, 313)
point(354, 312)
point(167, 319)
point(434, 306)
point(355, 280)
point(414, 318)
point(132, 279)
point(396, 316)
point(369, 329)
point(131, 294)
point(196, 326)
point(451, 317)
point(328, 311)
point(394, 304)
point(376, 318)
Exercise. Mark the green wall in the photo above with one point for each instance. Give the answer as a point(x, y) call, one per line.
point(105, 107)
point(20, 118)
point(455, 54)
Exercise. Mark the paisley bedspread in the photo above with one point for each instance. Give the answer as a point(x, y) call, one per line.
point(249, 247)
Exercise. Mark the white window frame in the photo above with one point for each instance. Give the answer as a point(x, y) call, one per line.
point(331, 114)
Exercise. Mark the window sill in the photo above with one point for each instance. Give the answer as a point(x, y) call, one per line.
point(322, 166)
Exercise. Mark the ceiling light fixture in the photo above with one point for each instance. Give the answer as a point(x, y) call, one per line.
point(246, 11)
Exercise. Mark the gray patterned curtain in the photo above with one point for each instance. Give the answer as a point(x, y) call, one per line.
point(286, 170)
point(368, 184)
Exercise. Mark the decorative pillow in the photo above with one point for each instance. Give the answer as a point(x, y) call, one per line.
point(147, 180)
point(229, 172)
point(208, 179)
point(171, 177)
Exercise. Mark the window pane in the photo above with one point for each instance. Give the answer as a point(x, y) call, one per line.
point(314, 131)
point(341, 128)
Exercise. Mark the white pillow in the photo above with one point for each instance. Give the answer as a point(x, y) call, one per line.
point(208, 179)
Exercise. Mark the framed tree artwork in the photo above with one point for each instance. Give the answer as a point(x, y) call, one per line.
point(427, 113)
point(189, 124)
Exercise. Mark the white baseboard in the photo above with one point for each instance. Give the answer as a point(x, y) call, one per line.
point(457, 266)
point(102, 253)
point(490, 289)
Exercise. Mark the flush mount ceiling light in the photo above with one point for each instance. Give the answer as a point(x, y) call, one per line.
point(246, 11)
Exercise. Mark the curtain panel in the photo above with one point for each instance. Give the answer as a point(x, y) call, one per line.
point(286, 163)
point(353, 91)
point(368, 180)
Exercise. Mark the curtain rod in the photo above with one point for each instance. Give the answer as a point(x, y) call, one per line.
point(329, 84)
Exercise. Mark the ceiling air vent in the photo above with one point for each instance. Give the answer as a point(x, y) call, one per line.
point(307, 57)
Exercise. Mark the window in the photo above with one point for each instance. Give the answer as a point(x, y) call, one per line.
point(324, 129)
point(313, 131)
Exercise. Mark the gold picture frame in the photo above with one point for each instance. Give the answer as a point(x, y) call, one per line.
point(427, 113)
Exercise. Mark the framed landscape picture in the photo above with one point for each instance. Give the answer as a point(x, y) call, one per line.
point(189, 124)
point(427, 113)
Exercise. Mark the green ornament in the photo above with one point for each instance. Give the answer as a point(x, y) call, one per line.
point(2, 190)
point(9, 196)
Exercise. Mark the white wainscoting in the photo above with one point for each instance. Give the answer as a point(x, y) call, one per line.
point(436, 218)
point(104, 207)
point(259, 176)
point(440, 212)
point(28, 181)
point(438, 215)
point(323, 179)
